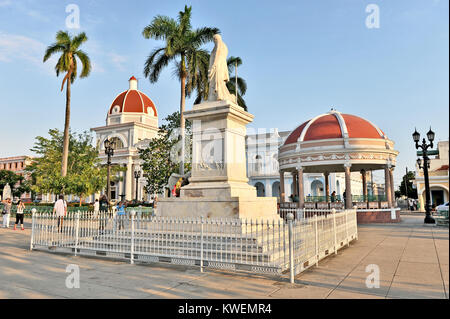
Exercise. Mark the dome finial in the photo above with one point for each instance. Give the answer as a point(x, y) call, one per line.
point(133, 83)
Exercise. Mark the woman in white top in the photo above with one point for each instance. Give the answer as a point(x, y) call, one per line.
point(19, 215)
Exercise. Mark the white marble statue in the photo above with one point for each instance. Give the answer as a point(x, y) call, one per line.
point(218, 72)
point(6, 192)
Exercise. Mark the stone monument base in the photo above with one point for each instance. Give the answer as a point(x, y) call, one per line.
point(208, 207)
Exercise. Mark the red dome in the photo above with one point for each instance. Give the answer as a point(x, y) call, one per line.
point(133, 101)
point(334, 125)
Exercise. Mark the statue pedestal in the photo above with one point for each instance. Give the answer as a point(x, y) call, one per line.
point(218, 185)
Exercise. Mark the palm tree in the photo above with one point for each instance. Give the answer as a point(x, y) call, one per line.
point(67, 62)
point(200, 81)
point(182, 46)
point(232, 63)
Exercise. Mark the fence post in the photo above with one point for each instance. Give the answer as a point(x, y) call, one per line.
point(201, 244)
point(317, 238)
point(355, 225)
point(346, 227)
point(77, 227)
point(290, 218)
point(33, 212)
point(333, 211)
point(133, 214)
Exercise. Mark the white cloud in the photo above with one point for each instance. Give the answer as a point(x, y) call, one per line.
point(5, 3)
point(18, 47)
point(118, 60)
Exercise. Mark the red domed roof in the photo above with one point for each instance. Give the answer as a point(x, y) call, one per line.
point(133, 101)
point(334, 125)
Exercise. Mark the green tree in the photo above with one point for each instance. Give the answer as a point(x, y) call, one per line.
point(85, 175)
point(408, 178)
point(183, 47)
point(160, 157)
point(68, 47)
point(19, 185)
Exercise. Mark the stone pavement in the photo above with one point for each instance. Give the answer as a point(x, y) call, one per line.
point(412, 259)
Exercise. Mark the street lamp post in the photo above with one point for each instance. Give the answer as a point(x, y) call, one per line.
point(425, 165)
point(137, 175)
point(109, 151)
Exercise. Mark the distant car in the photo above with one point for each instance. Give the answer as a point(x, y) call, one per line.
point(442, 208)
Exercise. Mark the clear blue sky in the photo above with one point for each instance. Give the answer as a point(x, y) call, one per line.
point(300, 58)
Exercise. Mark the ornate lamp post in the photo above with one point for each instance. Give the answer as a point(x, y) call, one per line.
point(137, 175)
point(425, 165)
point(109, 150)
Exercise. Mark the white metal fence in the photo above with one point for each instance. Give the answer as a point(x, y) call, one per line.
point(258, 246)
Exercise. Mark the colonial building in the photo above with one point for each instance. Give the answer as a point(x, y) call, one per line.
point(438, 176)
point(263, 171)
point(131, 120)
point(17, 164)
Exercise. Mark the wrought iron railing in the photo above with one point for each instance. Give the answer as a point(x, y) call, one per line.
point(252, 245)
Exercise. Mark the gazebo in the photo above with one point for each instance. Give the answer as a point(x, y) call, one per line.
point(333, 143)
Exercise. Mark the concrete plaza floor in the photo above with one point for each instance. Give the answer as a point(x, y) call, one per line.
point(413, 261)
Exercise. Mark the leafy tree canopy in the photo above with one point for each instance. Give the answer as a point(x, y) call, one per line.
point(412, 193)
point(161, 157)
point(85, 175)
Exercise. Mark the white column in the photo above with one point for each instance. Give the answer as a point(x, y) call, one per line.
point(129, 181)
point(387, 185)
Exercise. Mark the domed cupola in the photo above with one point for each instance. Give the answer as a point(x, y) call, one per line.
point(132, 105)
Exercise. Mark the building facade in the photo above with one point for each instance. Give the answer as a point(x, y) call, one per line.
point(131, 121)
point(17, 164)
point(438, 176)
point(263, 171)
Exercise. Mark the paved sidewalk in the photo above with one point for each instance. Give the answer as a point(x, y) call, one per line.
point(412, 258)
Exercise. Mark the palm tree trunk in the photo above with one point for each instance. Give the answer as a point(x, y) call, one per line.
point(65, 154)
point(182, 106)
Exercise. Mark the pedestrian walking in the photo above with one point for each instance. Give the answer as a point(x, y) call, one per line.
point(19, 215)
point(6, 212)
point(60, 209)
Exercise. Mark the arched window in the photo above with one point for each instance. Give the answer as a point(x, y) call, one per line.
point(118, 144)
point(276, 189)
point(260, 191)
point(317, 188)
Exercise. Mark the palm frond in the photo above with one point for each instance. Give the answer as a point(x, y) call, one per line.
point(63, 37)
point(184, 20)
point(52, 49)
point(158, 65)
point(85, 61)
point(78, 40)
point(160, 28)
point(203, 35)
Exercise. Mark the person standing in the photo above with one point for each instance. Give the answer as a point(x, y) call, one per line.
point(121, 214)
point(60, 209)
point(6, 212)
point(19, 215)
point(333, 196)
